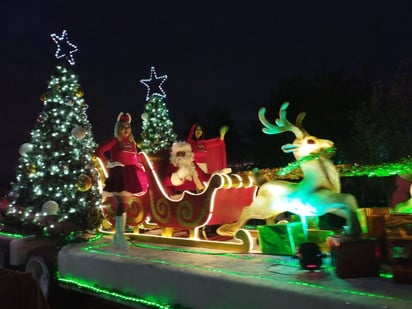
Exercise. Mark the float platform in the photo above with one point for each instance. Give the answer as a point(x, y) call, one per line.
point(162, 276)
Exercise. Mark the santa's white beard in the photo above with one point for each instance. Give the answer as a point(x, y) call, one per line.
point(184, 161)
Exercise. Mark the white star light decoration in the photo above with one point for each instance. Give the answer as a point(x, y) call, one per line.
point(156, 81)
point(69, 48)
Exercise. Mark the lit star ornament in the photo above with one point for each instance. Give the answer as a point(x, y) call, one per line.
point(64, 47)
point(155, 81)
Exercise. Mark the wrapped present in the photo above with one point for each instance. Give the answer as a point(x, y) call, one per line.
point(402, 270)
point(355, 257)
point(280, 239)
point(320, 237)
point(398, 248)
point(398, 237)
point(372, 221)
point(398, 225)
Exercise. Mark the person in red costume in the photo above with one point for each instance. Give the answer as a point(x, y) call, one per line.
point(402, 191)
point(183, 173)
point(126, 174)
point(210, 154)
point(401, 200)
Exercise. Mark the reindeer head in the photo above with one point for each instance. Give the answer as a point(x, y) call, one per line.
point(304, 143)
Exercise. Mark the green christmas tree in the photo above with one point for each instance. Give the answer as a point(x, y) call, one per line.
point(157, 129)
point(57, 187)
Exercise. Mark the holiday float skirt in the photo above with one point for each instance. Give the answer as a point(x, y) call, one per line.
point(124, 178)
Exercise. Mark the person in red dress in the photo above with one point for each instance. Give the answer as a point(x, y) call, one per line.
point(402, 190)
point(210, 153)
point(126, 174)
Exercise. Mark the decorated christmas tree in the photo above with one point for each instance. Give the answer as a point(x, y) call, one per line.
point(57, 191)
point(157, 128)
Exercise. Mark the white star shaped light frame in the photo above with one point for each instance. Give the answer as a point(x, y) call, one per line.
point(156, 81)
point(69, 49)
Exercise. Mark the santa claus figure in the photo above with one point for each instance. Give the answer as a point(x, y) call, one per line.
point(183, 173)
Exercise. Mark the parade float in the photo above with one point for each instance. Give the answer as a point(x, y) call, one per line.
point(198, 249)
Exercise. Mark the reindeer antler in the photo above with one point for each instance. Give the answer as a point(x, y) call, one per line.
point(282, 124)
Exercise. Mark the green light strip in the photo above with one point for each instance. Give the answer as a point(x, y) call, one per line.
point(89, 240)
point(312, 285)
point(386, 275)
point(18, 236)
point(81, 284)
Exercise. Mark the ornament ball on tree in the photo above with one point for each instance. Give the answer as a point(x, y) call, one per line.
point(25, 149)
point(78, 132)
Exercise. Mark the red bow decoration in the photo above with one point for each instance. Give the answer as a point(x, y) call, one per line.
point(124, 117)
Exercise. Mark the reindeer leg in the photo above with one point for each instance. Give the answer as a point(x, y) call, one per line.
point(256, 210)
point(354, 227)
point(229, 229)
point(348, 210)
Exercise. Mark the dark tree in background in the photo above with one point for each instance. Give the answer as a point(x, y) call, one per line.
point(380, 126)
point(327, 100)
point(371, 127)
point(400, 100)
point(367, 120)
point(381, 130)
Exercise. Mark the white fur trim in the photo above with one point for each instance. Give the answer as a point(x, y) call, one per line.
point(175, 180)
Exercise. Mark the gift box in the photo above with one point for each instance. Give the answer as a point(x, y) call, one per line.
point(402, 270)
point(398, 236)
point(280, 239)
point(372, 221)
point(354, 257)
point(320, 237)
point(399, 248)
point(398, 225)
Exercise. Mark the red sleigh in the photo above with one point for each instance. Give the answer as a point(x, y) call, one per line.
point(221, 202)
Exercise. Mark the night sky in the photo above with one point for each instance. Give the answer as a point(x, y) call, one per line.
point(217, 54)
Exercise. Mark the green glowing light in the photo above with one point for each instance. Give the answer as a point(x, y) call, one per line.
point(83, 285)
point(74, 238)
point(12, 235)
point(312, 285)
point(402, 167)
point(296, 164)
point(386, 275)
point(293, 171)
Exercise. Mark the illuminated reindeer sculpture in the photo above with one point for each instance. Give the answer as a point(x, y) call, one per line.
point(316, 194)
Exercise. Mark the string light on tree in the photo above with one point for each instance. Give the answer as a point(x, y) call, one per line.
point(57, 191)
point(64, 47)
point(157, 127)
point(154, 82)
